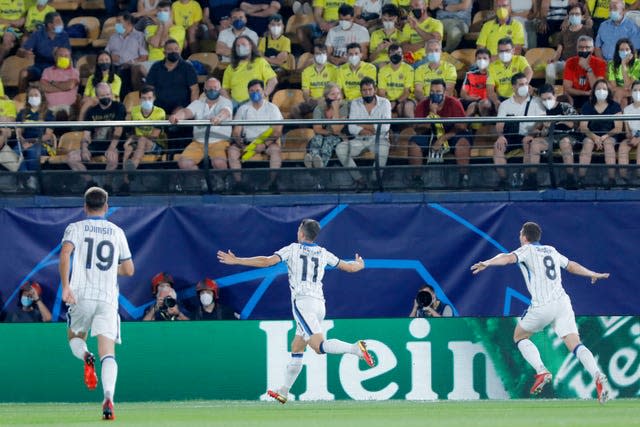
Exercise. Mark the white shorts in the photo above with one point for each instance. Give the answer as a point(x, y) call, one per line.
point(99, 317)
point(308, 314)
point(559, 313)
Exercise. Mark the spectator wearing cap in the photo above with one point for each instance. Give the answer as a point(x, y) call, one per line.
point(209, 308)
point(258, 12)
point(166, 305)
point(32, 309)
point(274, 46)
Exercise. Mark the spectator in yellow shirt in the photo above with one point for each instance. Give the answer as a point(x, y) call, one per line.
point(188, 14)
point(499, 86)
point(384, 37)
point(351, 74)
point(501, 27)
point(315, 78)
point(395, 82)
point(104, 72)
point(36, 14)
point(274, 46)
point(420, 27)
point(435, 68)
point(12, 18)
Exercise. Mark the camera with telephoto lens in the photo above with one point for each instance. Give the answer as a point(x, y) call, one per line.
point(169, 302)
point(424, 299)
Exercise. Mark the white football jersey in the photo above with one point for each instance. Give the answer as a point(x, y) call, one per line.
point(540, 266)
point(306, 263)
point(99, 246)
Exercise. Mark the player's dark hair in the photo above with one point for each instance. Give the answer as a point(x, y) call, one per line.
point(95, 198)
point(310, 229)
point(531, 231)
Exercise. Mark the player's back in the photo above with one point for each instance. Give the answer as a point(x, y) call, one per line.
point(99, 246)
point(306, 263)
point(540, 266)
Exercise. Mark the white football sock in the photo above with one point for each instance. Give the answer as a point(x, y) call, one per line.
point(531, 355)
point(293, 370)
point(334, 346)
point(109, 375)
point(78, 347)
point(585, 357)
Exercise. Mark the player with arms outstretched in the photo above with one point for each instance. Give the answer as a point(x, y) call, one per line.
point(306, 262)
point(100, 253)
point(540, 266)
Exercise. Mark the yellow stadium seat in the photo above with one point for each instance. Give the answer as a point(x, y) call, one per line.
point(538, 58)
point(209, 60)
point(10, 69)
point(92, 25)
point(286, 99)
point(108, 28)
point(68, 142)
point(295, 144)
point(86, 65)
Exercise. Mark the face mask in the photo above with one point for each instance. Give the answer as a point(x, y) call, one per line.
point(417, 13)
point(119, 28)
point(354, 60)
point(636, 96)
point(255, 96)
point(35, 101)
point(321, 58)
point(147, 105)
point(482, 63)
point(433, 57)
point(601, 94)
point(58, 29)
point(276, 30)
point(624, 53)
point(42, 2)
point(328, 102)
point(63, 62)
point(502, 13)
point(575, 19)
point(395, 58)
point(173, 56)
point(368, 99)
point(212, 94)
point(388, 25)
point(206, 298)
point(345, 25)
point(523, 91)
point(436, 98)
point(505, 56)
point(615, 15)
point(163, 16)
point(549, 103)
point(105, 101)
point(238, 24)
point(26, 301)
point(104, 66)
point(582, 54)
point(243, 50)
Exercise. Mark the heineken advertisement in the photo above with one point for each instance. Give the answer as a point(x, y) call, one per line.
point(418, 359)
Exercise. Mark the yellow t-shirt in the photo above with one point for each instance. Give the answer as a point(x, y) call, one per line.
point(235, 80)
point(499, 75)
point(1, 88)
point(402, 3)
point(424, 74)
point(156, 114)
point(378, 37)
point(115, 85)
point(35, 17)
point(429, 25)
point(492, 31)
point(8, 109)
point(349, 80)
point(315, 81)
point(176, 32)
point(11, 10)
point(281, 44)
point(330, 12)
point(186, 14)
point(394, 81)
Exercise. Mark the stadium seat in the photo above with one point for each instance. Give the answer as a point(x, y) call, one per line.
point(295, 144)
point(65, 5)
point(209, 60)
point(286, 99)
point(92, 4)
point(69, 141)
point(304, 61)
point(483, 142)
point(538, 58)
point(466, 57)
point(131, 100)
point(20, 100)
point(92, 25)
point(108, 28)
point(399, 148)
point(10, 69)
point(86, 65)
point(478, 20)
point(293, 23)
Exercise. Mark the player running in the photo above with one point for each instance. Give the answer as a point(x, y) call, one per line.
point(549, 304)
point(101, 253)
point(306, 262)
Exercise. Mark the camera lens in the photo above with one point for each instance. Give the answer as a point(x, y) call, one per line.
point(424, 299)
point(169, 302)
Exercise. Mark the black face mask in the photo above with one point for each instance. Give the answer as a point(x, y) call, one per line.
point(173, 56)
point(395, 58)
point(584, 54)
point(368, 99)
point(104, 66)
point(417, 13)
point(105, 101)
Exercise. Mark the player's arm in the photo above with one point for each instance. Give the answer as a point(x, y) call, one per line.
point(351, 266)
point(575, 268)
point(256, 261)
point(64, 267)
point(496, 261)
point(126, 268)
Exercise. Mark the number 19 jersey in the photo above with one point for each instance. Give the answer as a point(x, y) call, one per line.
point(306, 263)
point(99, 246)
point(540, 265)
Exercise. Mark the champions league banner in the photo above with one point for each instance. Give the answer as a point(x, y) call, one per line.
point(404, 246)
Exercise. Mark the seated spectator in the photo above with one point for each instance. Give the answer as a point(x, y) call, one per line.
point(601, 135)
point(527, 12)
point(209, 307)
point(434, 68)
point(35, 17)
point(581, 72)
point(145, 11)
point(327, 137)
point(315, 78)
point(166, 305)
point(217, 16)
point(551, 16)
point(441, 137)
point(500, 71)
point(455, 16)
point(41, 47)
point(227, 39)
point(216, 109)
point(275, 47)
point(60, 85)
point(502, 26)
point(395, 82)
point(248, 140)
point(103, 72)
point(12, 19)
point(632, 134)
point(614, 29)
point(420, 27)
point(473, 93)
point(246, 65)
point(32, 309)
point(568, 42)
point(325, 14)
point(623, 71)
point(382, 38)
point(127, 48)
point(350, 74)
point(514, 135)
point(367, 13)
point(427, 304)
point(188, 14)
point(368, 106)
point(9, 158)
point(344, 35)
point(258, 13)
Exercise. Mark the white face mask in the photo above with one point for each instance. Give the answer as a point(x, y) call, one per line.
point(505, 56)
point(549, 103)
point(276, 30)
point(243, 50)
point(321, 58)
point(206, 298)
point(636, 95)
point(35, 101)
point(354, 60)
point(482, 63)
point(523, 91)
point(601, 94)
point(345, 25)
point(389, 25)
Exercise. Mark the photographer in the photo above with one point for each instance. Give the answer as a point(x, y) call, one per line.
point(426, 304)
point(32, 309)
point(166, 306)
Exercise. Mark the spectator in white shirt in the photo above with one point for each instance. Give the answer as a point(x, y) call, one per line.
point(228, 36)
point(345, 33)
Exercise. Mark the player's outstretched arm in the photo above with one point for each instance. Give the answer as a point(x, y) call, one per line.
point(498, 260)
point(256, 261)
point(575, 268)
point(352, 266)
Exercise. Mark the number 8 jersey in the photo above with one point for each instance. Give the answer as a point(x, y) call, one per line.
point(540, 266)
point(99, 246)
point(306, 263)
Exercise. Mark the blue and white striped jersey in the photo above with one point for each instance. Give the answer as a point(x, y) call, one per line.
point(306, 263)
point(540, 266)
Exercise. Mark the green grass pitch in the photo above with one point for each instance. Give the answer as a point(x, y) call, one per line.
point(397, 413)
